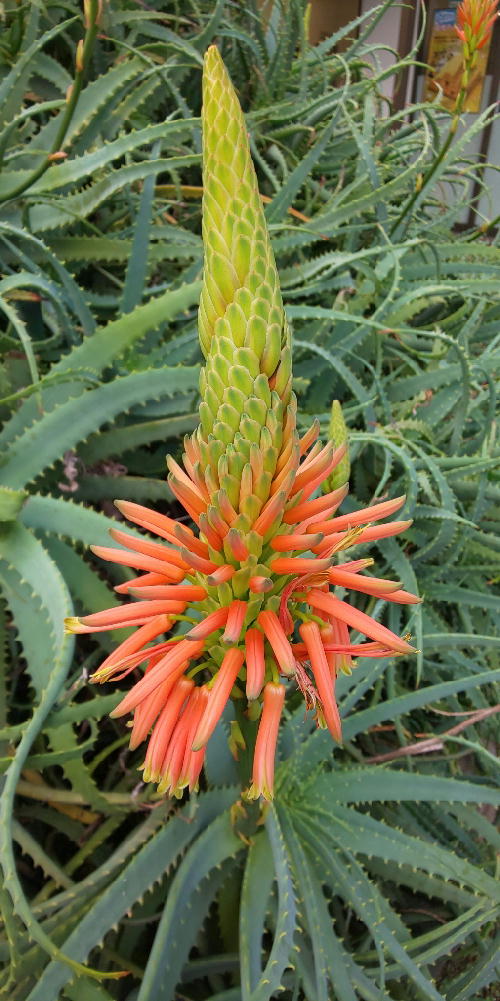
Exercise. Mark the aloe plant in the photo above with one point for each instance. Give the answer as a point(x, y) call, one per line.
point(374, 860)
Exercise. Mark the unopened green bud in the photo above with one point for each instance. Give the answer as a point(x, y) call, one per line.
point(244, 335)
point(338, 435)
point(236, 739)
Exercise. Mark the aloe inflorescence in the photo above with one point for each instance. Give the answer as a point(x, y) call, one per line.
point(253, 580)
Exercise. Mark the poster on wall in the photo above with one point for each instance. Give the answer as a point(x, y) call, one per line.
point(444, 57)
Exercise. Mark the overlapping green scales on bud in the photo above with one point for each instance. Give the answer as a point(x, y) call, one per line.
point(238, 254)
point(232, 488)
point(246, 386)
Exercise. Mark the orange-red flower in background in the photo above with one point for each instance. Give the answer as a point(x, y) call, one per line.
point(474, 23)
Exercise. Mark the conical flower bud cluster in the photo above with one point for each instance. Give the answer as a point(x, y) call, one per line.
point(337, 434)
point(247, 414)
point(241, 604)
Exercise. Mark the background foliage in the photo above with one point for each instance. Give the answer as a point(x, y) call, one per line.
point(373, 873)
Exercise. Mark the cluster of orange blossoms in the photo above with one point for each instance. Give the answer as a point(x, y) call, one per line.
point(241, 605)
point(475, 19)
point(186, 575)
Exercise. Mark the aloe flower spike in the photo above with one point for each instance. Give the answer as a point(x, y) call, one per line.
point(248, 483)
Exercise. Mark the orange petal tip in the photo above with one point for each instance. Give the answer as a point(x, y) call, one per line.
point(259, 585)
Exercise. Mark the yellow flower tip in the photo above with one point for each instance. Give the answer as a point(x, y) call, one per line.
point(254, 792)
point(406, 639)
point(99, 677)
point(212, 55)
point(73, 625)
point(79, 61)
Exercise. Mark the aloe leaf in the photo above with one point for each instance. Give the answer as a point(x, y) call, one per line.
point(427, 948)
point(284, 198)
point(109, 343)
point(142, 489)
point(74, 170)
point(84, 989)
point(280, 956)
point(73, 294)
point(36, 569)
point(85, 586)
point(24, 558)
point(424, 696)
point(29, 846)
point(372, 909)
point(344, 373)
point(137, 263)
point(67, 519)
point(204, 37)
point(167, 243)
point(144, 868)
point(315, 748)
point(368, 836)
point(18, 325)
point(84, 890)
point(74, 208)
point(315, 909)
point(482, 973)
point(379, 784)
point(25, 603)
point(24, 63)
point(257, 884)
point(122, 439)
point(11, 502)
point(99, 350)
point(62, 428)
point(95, 96)
point(178, 927)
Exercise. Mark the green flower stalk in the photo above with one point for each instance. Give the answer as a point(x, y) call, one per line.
point(241, 605)
point(474, 25)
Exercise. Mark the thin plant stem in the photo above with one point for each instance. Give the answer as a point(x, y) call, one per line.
point(82, 59)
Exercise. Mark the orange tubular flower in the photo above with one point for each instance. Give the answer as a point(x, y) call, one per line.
point(265, 745)
point(311, 634)
point(224, 681)
point(219, 609)
point(255, 662)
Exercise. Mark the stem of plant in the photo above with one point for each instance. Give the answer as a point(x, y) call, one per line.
point(441, 155)
point(82, 60)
